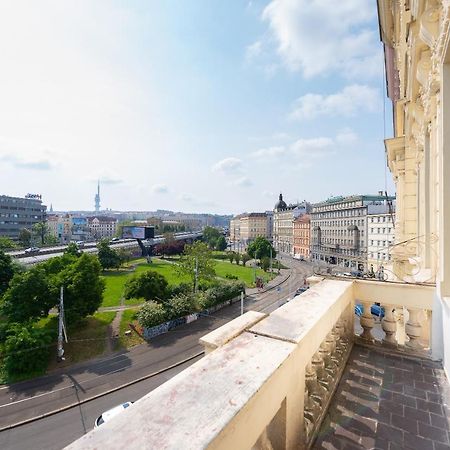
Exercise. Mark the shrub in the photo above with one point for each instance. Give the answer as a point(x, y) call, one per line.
point(229, 276)
point(149, 285)
point(182, 305)
point(221, 293)
point(182, 288)
point(151, 314)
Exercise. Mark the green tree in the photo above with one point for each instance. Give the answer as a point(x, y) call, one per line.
point(237, 258)
point(197, 257)
point(25, 237)
point(245, 259)
point(29, 296)
point(72, 249)
point(151, 314)
point(260, 247)
point(7, 244)
point(7, 270)
point(149, 285)
point(108, 257)
point(265, 263)
point(83, 287)
point(231, 257)
point(26, 351)
point(221, 243)
point(40, 230)
point(125, 255)
point(210, 236)
point(50, 239)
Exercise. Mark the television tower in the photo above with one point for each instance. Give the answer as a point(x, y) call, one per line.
point(97, 198)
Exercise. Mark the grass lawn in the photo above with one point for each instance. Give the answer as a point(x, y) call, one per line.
point(114, 284)
point(243, 273)
point(133, 339)
point(166, 269)
point(86, 340)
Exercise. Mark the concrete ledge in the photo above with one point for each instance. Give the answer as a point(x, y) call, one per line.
point(230, 330)
point(319, 308)
point(193, 408)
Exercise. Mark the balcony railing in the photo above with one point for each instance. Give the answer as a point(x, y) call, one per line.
point(266, 381)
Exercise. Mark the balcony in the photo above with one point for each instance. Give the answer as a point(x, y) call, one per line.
point(312, 374)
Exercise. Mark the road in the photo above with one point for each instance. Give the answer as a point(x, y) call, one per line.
point(32, 398)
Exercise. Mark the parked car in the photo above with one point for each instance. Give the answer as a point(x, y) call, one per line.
point(302, 289)
point(80, 244)
point(108, 415)
point(31, 250)
point(114, 239)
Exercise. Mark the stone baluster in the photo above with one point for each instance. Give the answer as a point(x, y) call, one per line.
point(316, 392)
point(389, 325)
point(339, 351)
point(323, 377)
point(311, 414)
point(342, 342)
point(326, 351)
point(367, 322)
point(413, 329)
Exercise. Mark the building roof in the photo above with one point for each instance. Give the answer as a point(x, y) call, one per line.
point(281, 204)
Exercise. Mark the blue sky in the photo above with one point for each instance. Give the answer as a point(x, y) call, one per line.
point(202, 105)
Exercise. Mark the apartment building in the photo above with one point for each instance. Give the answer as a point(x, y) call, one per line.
point(17, 213)
point(302, 237)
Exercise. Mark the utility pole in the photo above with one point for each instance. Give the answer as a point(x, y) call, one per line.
point(61, 327)
point(196, 275)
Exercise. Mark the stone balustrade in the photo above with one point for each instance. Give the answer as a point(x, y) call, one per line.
point(405, 316)
point(266, 381)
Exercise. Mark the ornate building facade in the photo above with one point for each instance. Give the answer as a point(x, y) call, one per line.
point(415, 35)
point(302, 235)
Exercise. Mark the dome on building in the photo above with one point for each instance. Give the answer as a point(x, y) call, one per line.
point(281, 204)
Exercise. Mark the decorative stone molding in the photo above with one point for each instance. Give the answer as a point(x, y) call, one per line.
point(429, 25)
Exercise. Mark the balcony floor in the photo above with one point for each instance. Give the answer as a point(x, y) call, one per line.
point(388, 402)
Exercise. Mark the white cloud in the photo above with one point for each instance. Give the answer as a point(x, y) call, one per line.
point(160, 189)
point(316, 37)
point(243, 182)
point(269, 152)
point(253, 50)
point(228, 165)
point(312, 147)
point(41, 164)
point(347, 102)
point(346, 136)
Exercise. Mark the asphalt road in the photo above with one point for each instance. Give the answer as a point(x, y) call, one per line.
point(29, 399)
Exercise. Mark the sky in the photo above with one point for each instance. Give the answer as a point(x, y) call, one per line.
point(191, 105)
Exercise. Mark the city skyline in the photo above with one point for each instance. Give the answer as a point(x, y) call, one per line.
point(174, 112)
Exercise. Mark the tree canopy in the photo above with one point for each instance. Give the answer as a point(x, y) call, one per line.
point(260, 247)
point(197, 257)
point(210, 236)
point(221, 243)
point(108, 257)
point(7, 270)
point(6, 243)
point(29, 296)
point(149, 285)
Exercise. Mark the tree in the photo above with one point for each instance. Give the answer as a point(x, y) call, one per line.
point(83, 287)
point(197, 257)
point(260, 247)
point(151, 314)
point(27, 350)
point(25, 237)
point(265, 263)
point(40, 230)
point(7, 270)
point(231, 257)
point(237, 258)
point(149, 285)
point(50, 239)
point(245, 259)
point(72, 249)
point(29, 296)
point(210, 236)
point(221, 243)
point(108, 257)
point(125, 255)
point(6, 244)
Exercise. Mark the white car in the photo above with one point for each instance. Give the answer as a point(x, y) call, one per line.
point(31, 250)
point(108, 415)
